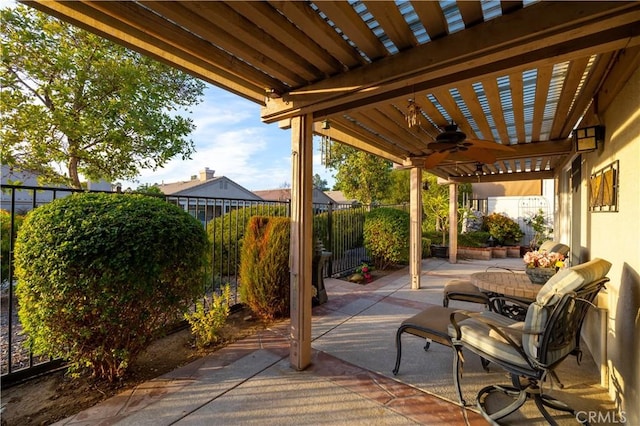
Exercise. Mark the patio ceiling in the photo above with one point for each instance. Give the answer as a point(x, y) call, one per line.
point(514, 73)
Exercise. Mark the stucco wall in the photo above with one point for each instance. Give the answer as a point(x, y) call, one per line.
point(616, 237)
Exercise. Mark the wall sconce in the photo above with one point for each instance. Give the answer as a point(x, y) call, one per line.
point(587, 138)
point(326, 125)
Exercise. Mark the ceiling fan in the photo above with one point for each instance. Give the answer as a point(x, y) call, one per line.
point(453, 141)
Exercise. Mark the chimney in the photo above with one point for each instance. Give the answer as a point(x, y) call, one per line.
point(206, 174)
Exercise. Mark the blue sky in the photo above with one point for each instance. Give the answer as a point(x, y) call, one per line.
point(230, 139)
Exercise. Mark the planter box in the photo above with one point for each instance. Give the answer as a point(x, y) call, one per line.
point(480, 253)
point(513, 251)
point(440, 251)
point(498, 252)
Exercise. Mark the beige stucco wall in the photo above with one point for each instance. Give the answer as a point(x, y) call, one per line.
point(616, 237)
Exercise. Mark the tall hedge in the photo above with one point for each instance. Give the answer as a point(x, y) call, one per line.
point(100, 274)
point(347, 227)
point(226, 233)
point(386, 236)
point(264, 266)
point(5, 240)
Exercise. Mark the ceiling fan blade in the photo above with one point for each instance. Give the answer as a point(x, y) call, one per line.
point(478, 154)
point(442, 146)
point(434, 159)
point(480, 143)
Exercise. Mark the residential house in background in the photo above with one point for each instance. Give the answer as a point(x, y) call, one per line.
point(206, 196)
point(284, 194)
point(339, 198)
point(26, 199)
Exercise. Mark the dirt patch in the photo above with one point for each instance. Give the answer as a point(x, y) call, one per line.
point(53, 397)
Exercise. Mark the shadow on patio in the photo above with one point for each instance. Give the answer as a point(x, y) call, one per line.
point(350, 380)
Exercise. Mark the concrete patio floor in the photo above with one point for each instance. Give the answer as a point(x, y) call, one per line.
point(350, 379)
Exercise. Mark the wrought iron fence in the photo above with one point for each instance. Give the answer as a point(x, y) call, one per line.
point(338, 226)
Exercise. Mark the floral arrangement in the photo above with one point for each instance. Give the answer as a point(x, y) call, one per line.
point(544, 259)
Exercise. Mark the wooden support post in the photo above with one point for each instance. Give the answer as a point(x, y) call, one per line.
point(453, 223)
point(415, 228)
point(301, 245)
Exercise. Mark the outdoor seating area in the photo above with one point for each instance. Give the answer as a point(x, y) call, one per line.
point(351, 378)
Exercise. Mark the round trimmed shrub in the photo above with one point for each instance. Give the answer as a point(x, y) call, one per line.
point(100, 274)
point(386, 236)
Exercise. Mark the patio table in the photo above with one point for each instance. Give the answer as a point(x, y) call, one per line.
point(510, 284)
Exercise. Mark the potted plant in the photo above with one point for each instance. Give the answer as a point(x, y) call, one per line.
point(541, 230)
point(542, 265)
point(503, 229)
point(435, 204)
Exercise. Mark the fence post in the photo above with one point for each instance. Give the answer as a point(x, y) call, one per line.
point(330, 237)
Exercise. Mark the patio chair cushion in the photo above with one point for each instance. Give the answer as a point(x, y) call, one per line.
point(463, 290)
point(554, 246)
point(565, 281)
point(430, 323)
point(477, 333)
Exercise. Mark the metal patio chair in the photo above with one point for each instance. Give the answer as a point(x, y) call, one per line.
point(530, 350)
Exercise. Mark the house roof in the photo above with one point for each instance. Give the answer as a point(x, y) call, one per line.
point(284, 194)
point(520, 74)
point(338, 197)
point(178, 187)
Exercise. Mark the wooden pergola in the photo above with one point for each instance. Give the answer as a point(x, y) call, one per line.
point(515, 74)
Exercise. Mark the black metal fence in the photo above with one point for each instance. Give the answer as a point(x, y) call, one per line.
point(338, 226)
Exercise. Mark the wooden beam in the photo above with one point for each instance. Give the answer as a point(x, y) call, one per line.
point(471, 11)
point(218, 24)
point(453, 223)
point(344, 134)
point(546, 32)
point(432, 18)
point(343, 15)
point(569, 92)
point(517, 101)
point(504, 177)
point(415, 226)
point(275, 25)
point(301, 14)
point(392, 23)
point(92, 20)
point(301, 241)
point(492, 93)
point(542, 90)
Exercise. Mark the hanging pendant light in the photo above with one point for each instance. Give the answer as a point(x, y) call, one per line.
point(479, 170)
point(413, 114)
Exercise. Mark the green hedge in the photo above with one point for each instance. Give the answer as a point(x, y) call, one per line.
point(386, 236)
point(264, 270)
point(5, 235)
point(348, 227)
point(226, 233)
point(100, 274)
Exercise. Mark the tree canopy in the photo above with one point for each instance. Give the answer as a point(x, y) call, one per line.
point(74, 104)
point(360, 175)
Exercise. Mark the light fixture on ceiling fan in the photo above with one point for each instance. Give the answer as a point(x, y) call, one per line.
point(479, 170)
point(453, 141)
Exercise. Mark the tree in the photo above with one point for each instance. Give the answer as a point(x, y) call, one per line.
point(320, 183)
point(399, 188)
point(146, 188)
point(360, 175)
point(74, 104)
